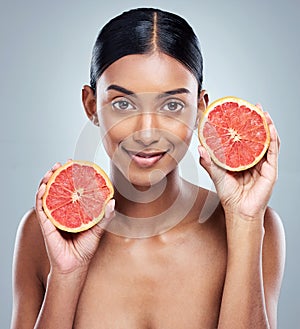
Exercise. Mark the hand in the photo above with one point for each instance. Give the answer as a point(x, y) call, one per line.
point(68, 252)
point(246, 193)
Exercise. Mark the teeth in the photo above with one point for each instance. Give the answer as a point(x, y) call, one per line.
point(147, 155)
point(144, 156)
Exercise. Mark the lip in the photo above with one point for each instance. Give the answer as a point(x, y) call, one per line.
point(146, 159)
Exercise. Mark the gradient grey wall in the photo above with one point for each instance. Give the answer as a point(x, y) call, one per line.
point(251, 50)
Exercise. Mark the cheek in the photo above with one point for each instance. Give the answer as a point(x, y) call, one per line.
point(114, 131)
point(181, 141)
point(183, 126)
point(115, 128)
point(182, 130)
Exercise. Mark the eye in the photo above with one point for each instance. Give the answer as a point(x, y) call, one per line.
point(123, 105)
point(173, 106)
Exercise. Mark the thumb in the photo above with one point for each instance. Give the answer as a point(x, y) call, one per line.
point(215, 172)
point(99, 229)
point(205, 159)
point(109, 214)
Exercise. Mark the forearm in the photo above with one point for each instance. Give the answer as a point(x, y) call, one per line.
point(60, 301)
point(243, 302)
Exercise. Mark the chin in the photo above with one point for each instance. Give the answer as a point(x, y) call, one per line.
point(130, 175)
point(142, 186)
point(146, 180)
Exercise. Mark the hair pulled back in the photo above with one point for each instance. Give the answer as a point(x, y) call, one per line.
point(144, 31)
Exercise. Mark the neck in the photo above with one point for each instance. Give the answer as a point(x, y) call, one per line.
point(145, 201)
point(143, 212)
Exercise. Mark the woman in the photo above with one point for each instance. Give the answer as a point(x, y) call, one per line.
point(206, 265)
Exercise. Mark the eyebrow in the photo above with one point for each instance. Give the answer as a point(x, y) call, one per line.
point(174, 92)
point(120, 89)
point(164, 94)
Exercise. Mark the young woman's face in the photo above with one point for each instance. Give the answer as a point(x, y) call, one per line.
point(147, 111)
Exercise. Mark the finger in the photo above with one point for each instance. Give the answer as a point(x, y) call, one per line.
point(39, 202)
point(46, 177)
point(205, 159)
point(110, 208)
point(40, 191)
point(273, 134)
point(268, 118)
point(259, 106)
point(56, 166)
point(271, 122)
point(49, 173)
point(215, 172)
point(46, 225)
point(272, 153)
point(99, 229)
point(206, 162)
point(109, 214)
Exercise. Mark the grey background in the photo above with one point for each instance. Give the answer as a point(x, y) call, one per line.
point(251, 50)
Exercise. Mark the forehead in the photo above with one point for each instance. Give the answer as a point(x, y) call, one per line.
point(148, 73)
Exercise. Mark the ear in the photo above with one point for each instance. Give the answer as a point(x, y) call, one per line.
point(89, 103)
point(202, 105)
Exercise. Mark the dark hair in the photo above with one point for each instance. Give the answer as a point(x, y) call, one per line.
point(142, 31)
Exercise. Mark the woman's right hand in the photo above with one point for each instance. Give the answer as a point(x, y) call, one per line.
point(69, 252)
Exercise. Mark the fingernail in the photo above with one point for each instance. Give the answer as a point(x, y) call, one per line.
point(199, 150)
point(112, 205)
point(54, 166)
point(110, 208)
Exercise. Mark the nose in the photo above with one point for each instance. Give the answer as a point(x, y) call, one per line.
point(147, 132)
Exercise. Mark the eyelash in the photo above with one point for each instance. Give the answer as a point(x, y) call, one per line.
point(117, 105)
point(173, 102)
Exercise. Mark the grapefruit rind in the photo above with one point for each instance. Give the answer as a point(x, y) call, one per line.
point(95, 220)
point(240, 102)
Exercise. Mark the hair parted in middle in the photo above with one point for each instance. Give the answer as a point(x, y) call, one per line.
point(145, 31)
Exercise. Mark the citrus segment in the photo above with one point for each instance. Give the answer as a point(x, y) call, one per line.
point(76, 196)
point(235, 133)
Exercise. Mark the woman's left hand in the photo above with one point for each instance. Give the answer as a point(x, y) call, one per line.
point(246, 193)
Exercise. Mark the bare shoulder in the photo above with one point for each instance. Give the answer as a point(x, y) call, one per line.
point(30, 253)
point(273, 245)
point(274, 230)
point(273, 258)
point(28, 223)
point(207, 218)
point(207, 203)
point(29, 231)
point(30, 266)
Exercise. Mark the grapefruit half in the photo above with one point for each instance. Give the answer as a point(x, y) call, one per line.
point(234, 132)
point(76, 196)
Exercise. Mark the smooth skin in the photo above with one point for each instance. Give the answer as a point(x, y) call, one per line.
point(221, 266)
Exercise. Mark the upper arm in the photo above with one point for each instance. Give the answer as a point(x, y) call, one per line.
point(30, 261)
point(273, 260)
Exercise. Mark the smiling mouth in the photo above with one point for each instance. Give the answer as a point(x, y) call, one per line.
point(146, 159)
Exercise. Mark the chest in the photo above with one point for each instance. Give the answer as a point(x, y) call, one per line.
point(146, 285)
